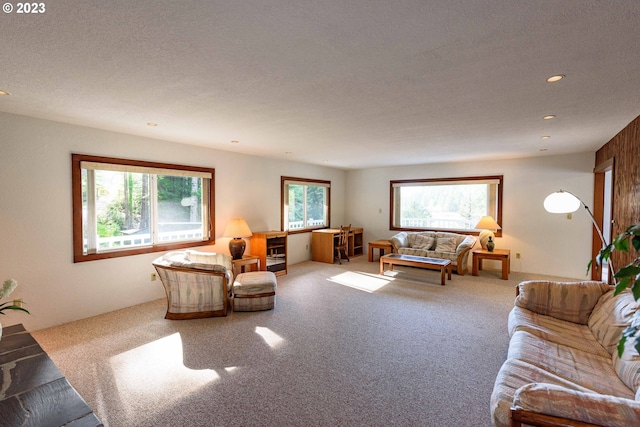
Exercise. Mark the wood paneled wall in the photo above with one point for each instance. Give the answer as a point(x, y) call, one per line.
point(624, 149)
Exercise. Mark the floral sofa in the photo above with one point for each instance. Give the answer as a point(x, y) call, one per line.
point(451, 246)
point(562, 366)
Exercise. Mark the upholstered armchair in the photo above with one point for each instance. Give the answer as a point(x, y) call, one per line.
point(197, 284)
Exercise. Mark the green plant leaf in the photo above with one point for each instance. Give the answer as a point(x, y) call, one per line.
point(636, 243)
point(605, 253)
point(621, 344)
point(622, 244)
point(627, 271)
point(635, 289)
point(622, 285)
point(634, 229)
point(637, 344)
point(4, 307)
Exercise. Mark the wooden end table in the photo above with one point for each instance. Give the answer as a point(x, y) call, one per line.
point(247, 260)
point(381, 245)
point(503, 255)
point(444, 265)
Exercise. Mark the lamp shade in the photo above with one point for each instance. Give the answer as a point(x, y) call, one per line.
point(487, 223)
point(237, 228)
point(561, 202)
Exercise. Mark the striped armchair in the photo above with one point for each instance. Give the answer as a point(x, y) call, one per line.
point(197, 284)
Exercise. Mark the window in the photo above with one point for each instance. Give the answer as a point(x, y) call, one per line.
point(446, 204)
point(305, 204)
point(126, 207)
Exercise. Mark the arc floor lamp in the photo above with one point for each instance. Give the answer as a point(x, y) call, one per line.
point(565, 202)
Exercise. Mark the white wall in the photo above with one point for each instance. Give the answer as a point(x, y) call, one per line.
point(35, 215)
point(36, 228)
point(548, 243)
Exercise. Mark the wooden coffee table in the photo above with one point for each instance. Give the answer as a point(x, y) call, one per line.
point(417, 261)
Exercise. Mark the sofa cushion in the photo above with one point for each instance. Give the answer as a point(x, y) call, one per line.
point(514, 374)
point(446, 244)
point(570, 301)
point(423, 242)
point(611, 316)
point(589, 408)
point(451, 256)
point(555, 330)
point(412, 251)
point(628, 366)
point(589, 371)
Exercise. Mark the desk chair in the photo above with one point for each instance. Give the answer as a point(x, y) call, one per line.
point(343, 243)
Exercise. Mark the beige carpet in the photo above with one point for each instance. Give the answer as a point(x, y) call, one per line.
point(343, 347)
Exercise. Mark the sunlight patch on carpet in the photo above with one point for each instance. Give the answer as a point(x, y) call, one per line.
point(362, 281)
point(141, 372)
point(269, 336)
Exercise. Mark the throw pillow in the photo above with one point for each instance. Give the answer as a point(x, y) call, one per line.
point(569, 301)
point(423, 242)
point(446, 244)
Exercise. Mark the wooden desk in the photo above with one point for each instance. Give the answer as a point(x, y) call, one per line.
point(239, 265)
point(498, 255)
point(33, 391)
point(323, 243)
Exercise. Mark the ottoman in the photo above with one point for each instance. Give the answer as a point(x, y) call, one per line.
point(254, 291)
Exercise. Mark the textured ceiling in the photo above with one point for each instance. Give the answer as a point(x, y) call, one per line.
point(347, 84)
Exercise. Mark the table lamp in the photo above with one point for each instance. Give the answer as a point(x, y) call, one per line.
point(487, 224)
point(237, 229)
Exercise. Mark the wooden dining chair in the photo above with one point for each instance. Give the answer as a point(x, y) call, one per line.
point(343, 243)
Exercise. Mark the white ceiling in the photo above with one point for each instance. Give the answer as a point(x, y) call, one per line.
point(346, 84)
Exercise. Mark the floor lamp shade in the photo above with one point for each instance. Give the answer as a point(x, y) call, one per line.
point(237, 229)
point(487, 225)
point(561, 202)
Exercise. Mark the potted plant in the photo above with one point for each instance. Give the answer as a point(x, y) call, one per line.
point(7, 287)
point(627, 277)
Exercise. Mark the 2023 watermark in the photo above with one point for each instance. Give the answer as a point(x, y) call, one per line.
point(24, 8)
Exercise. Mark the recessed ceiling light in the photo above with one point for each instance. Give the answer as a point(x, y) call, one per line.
point(4, 92)
point(288, 153)
point(152, 124)
point(545, 137)
point(549, 117)
point(235, 142)
point(543, 149)
point(325, 161)
point(555, 78)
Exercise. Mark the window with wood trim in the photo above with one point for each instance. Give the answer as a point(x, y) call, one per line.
point(306, 204)
point(445, 204)
point(127, 207)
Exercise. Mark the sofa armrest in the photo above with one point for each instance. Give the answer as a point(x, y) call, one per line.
point(399, 241)
point(540, 403)
point(569, 301)
point(466, 245)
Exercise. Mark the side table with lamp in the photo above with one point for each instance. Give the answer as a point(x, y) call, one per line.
point(487, 241)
